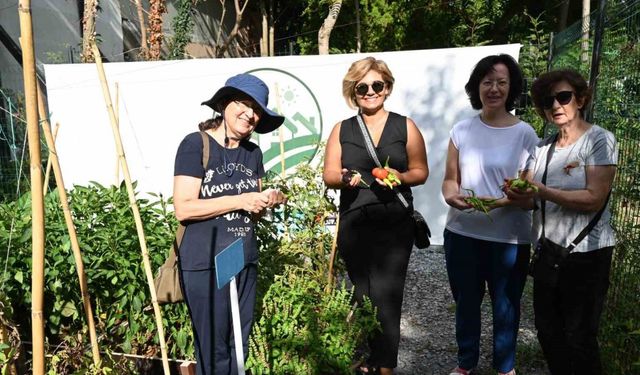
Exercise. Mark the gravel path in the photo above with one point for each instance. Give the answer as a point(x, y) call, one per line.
point(427, 343)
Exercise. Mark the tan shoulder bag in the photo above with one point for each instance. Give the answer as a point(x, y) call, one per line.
point(167, 280)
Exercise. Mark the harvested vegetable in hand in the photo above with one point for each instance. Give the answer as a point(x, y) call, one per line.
point(521, 185)
point(380, 173)
point(389, 178)
point(479, 204)
point(346, 178)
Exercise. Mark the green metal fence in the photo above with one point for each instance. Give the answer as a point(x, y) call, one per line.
point(616, 108)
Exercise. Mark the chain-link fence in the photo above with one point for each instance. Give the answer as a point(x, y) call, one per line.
point(616, 108)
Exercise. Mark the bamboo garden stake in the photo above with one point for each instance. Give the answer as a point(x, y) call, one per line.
point(73, 237)
point(332, 258)
point(281, 135)
point(55, 135)
point(37, 200)
point(134, 206)
point(282, 158)
point(117, 115)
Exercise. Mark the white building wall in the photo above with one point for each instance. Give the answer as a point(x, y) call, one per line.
point(56, 32)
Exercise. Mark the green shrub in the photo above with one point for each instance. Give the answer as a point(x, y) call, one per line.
point(303, 326)
point(113, 266)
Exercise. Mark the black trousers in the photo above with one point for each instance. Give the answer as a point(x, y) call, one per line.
point(567, 316)
point(375, 243)
point(210, 311)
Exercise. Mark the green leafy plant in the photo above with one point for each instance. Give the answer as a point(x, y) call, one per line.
point(112, 258)
point(182, 25)
point(533, 61)
point(302, 325)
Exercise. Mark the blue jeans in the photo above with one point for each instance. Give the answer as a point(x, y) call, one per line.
point(503, 267)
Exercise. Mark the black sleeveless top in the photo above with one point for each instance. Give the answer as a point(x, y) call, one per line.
point(392, 144)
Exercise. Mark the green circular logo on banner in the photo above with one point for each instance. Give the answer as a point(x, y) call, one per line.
point(298, 139)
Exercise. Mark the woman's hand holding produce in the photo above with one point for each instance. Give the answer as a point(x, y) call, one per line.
point(482, 204)
point(352, 178)
point(519, 185)
point(386, 176)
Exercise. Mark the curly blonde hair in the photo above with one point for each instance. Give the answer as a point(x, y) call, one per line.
point(357, 71)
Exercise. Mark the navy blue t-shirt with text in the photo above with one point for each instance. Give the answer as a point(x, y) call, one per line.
point(204, 239)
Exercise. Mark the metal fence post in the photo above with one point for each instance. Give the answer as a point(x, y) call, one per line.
point(595, 57)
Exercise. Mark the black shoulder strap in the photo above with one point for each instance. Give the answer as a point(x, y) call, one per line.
point(372, 153)
point(593, 221)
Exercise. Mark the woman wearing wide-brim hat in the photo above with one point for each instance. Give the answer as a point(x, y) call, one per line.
point(216, 203)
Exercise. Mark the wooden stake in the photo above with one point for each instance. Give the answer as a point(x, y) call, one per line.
point(37, 200)
point(134, 206)
point(117, 110)
point(332, 257)
point(281, 135)
point(283, 167)
point(55, 135)
point(73, 237)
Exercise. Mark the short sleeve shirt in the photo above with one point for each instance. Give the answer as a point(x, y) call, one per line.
point(486, 156)
point(567, 171)
point(230, 171)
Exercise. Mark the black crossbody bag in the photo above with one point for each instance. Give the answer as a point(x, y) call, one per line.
point(549, 256)
point(422, 231)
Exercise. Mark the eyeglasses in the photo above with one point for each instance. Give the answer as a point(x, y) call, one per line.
point(246, 104)
point(489, 83)
point(363, 88)
point(563, 97)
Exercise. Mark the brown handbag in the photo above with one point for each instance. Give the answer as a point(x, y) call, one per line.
point(167, 280)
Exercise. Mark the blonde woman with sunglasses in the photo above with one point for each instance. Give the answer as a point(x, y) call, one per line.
point(376, 232)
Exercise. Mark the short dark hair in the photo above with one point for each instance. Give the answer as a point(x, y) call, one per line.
point(543, 85)
point(486, 65)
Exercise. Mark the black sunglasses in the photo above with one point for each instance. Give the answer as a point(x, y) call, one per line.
point(363, 88)
point(563, 97)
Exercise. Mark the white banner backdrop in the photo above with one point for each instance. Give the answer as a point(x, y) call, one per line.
point(158, 103)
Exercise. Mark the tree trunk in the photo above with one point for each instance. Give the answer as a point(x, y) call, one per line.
point(564, 13)
point(156, 9)
point(358, 35)
point(220, 26)
point(264, 39)
point(272, 32)
point(144, 48)
point(325, 30)
point(88, 29)
point(234, 32)
point(586, 10)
